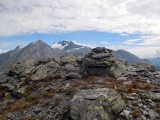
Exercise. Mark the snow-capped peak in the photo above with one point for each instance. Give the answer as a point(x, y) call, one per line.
point(68, 46)
point(60, 45)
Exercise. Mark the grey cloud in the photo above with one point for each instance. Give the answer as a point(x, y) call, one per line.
point(146, 8)
point(52, 16)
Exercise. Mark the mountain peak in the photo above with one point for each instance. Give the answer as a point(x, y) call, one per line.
point(39, 42)
point(65, 45)
point(18, 48)
point(63, 42)
point(60, 45)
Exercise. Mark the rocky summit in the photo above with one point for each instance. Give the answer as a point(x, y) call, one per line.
point(98, 86)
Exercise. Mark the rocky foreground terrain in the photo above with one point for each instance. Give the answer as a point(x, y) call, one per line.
point(98, 86)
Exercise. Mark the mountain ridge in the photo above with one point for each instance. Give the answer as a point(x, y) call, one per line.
point(39, 50)
point(155, 61)
point(131, 58)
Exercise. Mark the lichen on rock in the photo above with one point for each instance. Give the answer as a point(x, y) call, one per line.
point(102, 103)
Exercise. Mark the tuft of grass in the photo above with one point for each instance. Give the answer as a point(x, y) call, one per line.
point(136, 114)
point(19, 105)
point(85, 86)
point(48, 94)
point(42, 117)
point(2, 117)
point(147, 87)
point(58, 101)
point(46, 103)
point(66, 90)
point(157, 108)
point(27, 117)
point(31, 98)
point(7, 95)
point(57, 76)
point(92, 78)
point(77, 84)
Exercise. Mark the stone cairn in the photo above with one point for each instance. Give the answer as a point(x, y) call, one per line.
point(101, 62)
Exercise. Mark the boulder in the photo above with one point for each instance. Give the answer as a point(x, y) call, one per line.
point(68, 59)
point(8, 86)
point(70, 67)
point(126, 114)
point(93, 104)
point(154, 96)
point(73, 76)
point(43, 72)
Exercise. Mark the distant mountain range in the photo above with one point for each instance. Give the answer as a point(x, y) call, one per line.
point(39, 50)
point(131, 58)
point(155, 61)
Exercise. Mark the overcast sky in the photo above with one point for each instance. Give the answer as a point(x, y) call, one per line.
point(132, 25)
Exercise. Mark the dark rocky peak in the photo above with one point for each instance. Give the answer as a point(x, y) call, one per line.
point(18, 48)
point(63, 42)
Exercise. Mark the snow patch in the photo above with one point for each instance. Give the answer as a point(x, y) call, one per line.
point(59, 46)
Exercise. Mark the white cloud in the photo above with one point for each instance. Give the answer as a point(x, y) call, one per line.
point(51, 16)
point(3, 51)
point(132, 41)
point(6, 44)
point(147, 40)
point(124, 34)
point(146, 52)
point(84, 44)
point(140, 51)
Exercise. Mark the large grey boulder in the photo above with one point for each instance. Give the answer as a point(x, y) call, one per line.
point(68, 59)
point(96, 104)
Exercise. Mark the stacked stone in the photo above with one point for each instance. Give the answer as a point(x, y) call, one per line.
point(101, 62)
